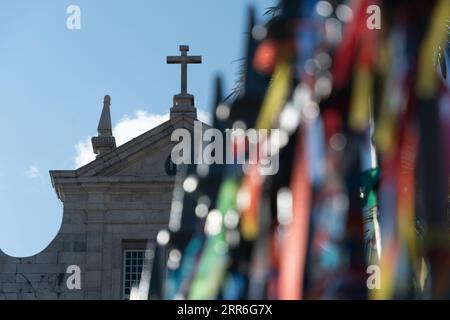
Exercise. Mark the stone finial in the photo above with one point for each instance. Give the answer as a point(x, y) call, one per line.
point(105, 141)
point(104, 126)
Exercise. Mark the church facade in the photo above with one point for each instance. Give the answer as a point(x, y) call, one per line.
point(114, 208)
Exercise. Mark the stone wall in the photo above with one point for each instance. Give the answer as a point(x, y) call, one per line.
point(97, 219)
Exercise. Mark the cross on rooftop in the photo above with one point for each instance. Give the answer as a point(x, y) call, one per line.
point(184, 60)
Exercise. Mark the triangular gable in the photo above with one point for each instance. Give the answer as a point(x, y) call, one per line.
point(150, 147)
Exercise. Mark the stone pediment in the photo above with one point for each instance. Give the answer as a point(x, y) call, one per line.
point(142, 159)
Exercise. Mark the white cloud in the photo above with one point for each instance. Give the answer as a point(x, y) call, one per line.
point(84, 153)
point(126, 129)
point(131, 127)
point(33, 172)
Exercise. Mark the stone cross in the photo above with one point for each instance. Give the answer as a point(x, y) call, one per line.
point(184, 60)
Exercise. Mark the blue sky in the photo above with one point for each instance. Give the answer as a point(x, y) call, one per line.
point(52, 83)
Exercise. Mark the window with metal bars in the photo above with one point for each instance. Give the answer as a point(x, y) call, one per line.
point(133, 261)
